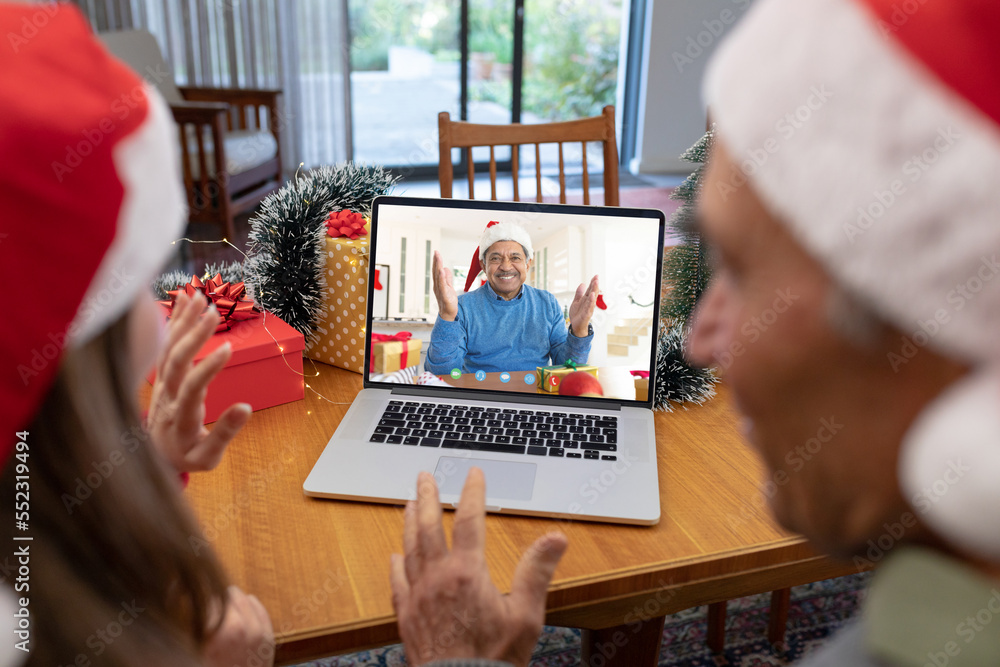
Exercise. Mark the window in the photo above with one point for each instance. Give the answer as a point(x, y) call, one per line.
point(486, 61)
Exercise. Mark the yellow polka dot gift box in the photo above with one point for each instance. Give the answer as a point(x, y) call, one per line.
point(340, 332)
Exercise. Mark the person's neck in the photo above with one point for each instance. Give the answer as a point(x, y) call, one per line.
point(504, 296)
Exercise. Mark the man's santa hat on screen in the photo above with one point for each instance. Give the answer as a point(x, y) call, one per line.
point(497, 231)
point(872, 129)
point(90, 196)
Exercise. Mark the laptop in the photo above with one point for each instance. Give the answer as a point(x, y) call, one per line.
point(543, 454)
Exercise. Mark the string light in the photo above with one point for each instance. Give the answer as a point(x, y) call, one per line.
point(264, 318)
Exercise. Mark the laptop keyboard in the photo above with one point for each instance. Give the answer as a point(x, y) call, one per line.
point(504, 430)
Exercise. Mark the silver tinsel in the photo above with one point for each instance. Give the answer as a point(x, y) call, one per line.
point(231, 272)
point(285, 267)
point(676, 381)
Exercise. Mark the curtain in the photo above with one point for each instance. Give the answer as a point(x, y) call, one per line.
point(299, 46)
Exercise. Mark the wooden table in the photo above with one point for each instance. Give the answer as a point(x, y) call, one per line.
point(321, 567)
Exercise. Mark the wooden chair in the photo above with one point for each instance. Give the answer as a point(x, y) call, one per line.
point(460, 134)
point(229, 138)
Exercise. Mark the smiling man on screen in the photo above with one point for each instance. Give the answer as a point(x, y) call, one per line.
point(506, 325)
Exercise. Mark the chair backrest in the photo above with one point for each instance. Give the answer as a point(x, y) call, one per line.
point(139, 50)
point(460, 134)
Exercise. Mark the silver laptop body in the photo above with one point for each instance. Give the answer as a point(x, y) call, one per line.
point(598, 481)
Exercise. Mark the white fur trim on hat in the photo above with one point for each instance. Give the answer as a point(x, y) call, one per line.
point(881, 172)
point(152, 215)
point(950, 464)
point(505, 231)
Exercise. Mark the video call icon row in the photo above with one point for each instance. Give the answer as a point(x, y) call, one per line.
point(529, 378)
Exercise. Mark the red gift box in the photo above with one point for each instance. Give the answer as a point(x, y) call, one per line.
point(264, 370)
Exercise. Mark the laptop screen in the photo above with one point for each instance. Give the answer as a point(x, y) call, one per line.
point(517, 316)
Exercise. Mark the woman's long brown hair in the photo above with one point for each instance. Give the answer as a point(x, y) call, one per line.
point(113, 576)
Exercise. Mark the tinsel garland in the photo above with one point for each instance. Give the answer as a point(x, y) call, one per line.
point(284, 269)
point(685, 275)
point(676, 380)
point(232, 272)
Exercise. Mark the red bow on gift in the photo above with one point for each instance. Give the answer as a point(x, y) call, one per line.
point(345, 223)
point(381, 338)
point(401, 336)
point(229, 298)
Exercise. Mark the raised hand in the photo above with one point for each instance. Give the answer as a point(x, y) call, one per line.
point(177, 408)
point(446, 604)
point(582, 308)
point(444, 289)
point(245, 638)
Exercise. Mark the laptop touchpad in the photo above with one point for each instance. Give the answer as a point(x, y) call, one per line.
point(504, 479)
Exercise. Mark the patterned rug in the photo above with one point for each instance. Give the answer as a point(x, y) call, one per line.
point(817, 610)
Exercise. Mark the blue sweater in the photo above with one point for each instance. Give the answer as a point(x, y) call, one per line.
point(492, 335)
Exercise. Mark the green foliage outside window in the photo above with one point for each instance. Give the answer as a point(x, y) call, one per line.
point(571, 47)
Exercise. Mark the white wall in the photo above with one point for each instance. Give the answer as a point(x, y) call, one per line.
point(680, 37)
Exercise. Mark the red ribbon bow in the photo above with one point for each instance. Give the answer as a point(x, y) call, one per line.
point(345, 223)
point(401, 336)
point(229, 299)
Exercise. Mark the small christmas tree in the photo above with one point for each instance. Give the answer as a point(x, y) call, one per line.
point(685, 276)
point(685, 266)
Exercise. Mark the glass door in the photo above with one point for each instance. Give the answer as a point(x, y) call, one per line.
point(486, 61)
point(404, 70)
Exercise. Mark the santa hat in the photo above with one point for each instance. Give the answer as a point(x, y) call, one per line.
point(89, 192)
point(872, 129)
point(497, 231)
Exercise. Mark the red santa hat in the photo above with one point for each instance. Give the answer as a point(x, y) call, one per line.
point(497, 231)
point(89, 191)
point(872, 129)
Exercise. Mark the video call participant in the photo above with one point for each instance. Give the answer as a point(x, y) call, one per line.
point(506, 325)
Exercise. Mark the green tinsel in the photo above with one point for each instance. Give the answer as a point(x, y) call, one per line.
point(231, 272)
point(676, 381)
point(686, 273)
point(285, 265)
